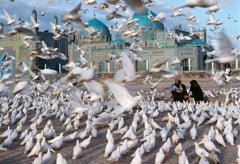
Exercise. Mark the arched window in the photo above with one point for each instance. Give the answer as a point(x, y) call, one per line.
point(101, 66)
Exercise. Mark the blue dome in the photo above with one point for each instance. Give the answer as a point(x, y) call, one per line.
point(98, 26)
point(145, 21)
point(34, 11)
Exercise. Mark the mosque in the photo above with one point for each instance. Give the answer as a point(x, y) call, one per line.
point(155, 43)
point(14, 46)
point(153, 38)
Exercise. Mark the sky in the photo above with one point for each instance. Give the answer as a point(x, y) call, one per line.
point(23, 9)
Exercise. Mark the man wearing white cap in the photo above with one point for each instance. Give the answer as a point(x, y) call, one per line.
point(178, 90)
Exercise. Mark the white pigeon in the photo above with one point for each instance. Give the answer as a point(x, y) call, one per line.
point(122, 96)
point(109, 146)
point(86, 142)
point(175, 137)
point(223, 50)
point(132, 143)
point(183, 159)
point(199, 3)
point(159, 156)
point(137, 158)
point(28, 145)
point(193, 132)
point(167, 145)
point(219, 138)
point(238, 151)
point(36, 148)
point(161, 16)
point(57, 141)
point(60, 159)
point(45, 145)
point(9, 19)
point(39, 159)
point(127, 73)
point(178, 149)
point(7, 142)
point(124, 147)
point(47, 157)
point(77, 150)
point(200, 151)
point(20, 86)
point(230, 137)
point(115, 155)
point(209, 145)
point(164, 134)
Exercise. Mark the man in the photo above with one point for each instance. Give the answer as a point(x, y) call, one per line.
point(178, 90)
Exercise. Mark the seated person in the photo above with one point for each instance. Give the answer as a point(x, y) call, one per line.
point(179, 92)
point(196, 90)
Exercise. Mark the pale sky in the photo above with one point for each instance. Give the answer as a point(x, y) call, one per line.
point(23, 9)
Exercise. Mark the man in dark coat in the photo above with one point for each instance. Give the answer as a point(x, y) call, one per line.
point(178, 90)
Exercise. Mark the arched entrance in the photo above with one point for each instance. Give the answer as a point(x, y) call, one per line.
point(184, 64)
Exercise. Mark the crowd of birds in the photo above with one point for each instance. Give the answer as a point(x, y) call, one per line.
point(46, 113)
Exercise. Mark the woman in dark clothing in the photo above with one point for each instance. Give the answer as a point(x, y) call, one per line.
point(196, 90)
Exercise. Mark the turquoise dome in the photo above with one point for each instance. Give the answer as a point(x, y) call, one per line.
point(98, 26)
point(145, 22)
point(34, 11)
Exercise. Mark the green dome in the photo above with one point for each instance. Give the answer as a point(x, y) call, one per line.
point(98, 26)
point(34, 11)
point(145, 22)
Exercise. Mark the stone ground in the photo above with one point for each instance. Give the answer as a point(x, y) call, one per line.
point(94, 153)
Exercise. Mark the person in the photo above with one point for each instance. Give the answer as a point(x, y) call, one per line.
point(196, 90)
point(178, 90)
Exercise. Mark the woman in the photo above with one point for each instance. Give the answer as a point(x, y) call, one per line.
point(196, 90)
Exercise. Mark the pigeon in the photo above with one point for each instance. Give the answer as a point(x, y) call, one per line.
point(86, 142)
point(122, 96)
point(60, 159)
point(178, 149)
point(39, 159)
point(73, 15)
point(193, 132)
point(9, 19)
point(36, 148)
point(77, 150)
point(57, 141)
point(200, 151)
point(223, 48)
point(182, 159)
point(110, 144)
point(115, 155)
point(199, 3)
point(47, 157)
point(159, 156)
point(137, 158)
point(219, 138)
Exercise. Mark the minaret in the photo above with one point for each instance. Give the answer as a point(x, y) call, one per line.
point(34, 16)
point(55, 20)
